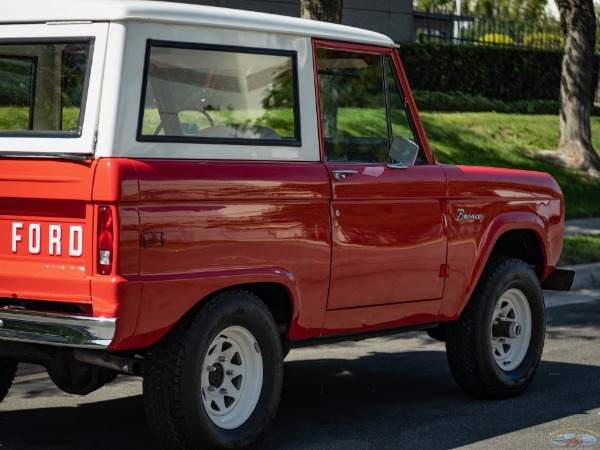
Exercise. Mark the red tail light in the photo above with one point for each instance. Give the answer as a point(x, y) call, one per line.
point(105, 240)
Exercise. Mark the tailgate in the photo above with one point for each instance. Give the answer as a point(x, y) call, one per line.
point(46, 221)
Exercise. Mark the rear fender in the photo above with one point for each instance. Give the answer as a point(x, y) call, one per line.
point(165, 303)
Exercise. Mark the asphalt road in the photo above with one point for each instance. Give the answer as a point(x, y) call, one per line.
point(386, 393)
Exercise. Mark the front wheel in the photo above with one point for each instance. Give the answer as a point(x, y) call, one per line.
point(495, 347)
point(215, 380)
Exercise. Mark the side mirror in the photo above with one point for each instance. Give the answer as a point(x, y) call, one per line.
point(403, 153)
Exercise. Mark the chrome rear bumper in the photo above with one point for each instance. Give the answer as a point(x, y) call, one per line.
point(56, 329)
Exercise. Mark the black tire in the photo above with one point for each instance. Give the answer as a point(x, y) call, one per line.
point(8, 370)
point(181, 405)
point(499, 359)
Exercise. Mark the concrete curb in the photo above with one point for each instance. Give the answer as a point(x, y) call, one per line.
point(553, 299)
point(28, 372)
point(586, 287)
point(582, 227)
point(587, 276)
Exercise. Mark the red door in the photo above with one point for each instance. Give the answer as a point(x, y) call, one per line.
point(388, 226)
point(389, 235)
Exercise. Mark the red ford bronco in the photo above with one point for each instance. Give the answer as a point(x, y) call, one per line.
point(188, 192)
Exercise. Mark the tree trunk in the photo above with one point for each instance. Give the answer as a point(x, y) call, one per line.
point(576, 91)
point(323, 10)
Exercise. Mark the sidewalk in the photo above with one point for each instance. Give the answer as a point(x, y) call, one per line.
point(583, 227)
point(586, 286)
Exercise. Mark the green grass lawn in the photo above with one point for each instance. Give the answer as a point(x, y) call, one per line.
point(281, 120)
point(504, 140)
point(580, 250)
point(16, 118)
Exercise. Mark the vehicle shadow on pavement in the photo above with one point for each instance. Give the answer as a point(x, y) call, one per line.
point(112, 424)
point(410, 400)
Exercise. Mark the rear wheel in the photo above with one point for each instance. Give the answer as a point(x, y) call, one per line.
point(8, 369)
point(232, 381)
point(495, 347)
point(215, 380)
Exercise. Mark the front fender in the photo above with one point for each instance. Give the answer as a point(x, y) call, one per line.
point(470, 250)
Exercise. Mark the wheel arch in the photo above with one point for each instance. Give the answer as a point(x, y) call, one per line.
point(513, 234)
point(276, 296)
point(523, 244)
point(277, 288)
point(278, 299)
point(520, 235)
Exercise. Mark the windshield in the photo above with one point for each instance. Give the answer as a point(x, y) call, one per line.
point(43, 87)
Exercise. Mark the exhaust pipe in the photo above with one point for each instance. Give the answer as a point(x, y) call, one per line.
point(131, 366)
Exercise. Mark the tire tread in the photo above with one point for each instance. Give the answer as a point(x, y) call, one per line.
point(163, 391)
point(466, 357)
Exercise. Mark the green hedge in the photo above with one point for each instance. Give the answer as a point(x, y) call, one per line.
point(505, 73)
point(461, 102)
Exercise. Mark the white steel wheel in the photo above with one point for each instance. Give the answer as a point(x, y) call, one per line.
point(495, 347)
point(214, 381)
point(233, 377)
point(511, 329)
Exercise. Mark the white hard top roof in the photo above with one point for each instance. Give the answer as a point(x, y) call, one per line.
point(41, 11)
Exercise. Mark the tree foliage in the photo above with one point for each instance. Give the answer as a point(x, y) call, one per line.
point(533, 10)
point(496, 38)
point(323, 10)
point(543, 40)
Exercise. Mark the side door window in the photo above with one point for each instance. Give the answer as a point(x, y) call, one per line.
point(362, 107)
point(401, 126)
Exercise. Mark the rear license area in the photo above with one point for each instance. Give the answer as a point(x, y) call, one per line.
point(45, 230)
point(46, 239)
point(43, 260)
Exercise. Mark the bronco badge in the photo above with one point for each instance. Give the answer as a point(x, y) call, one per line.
point(460, 216)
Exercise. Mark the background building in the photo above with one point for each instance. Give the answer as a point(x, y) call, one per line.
point(394, 18)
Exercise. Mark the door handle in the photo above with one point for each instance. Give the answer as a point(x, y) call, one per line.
point(339, 175)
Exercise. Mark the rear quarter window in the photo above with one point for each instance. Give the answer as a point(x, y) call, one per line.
point(214, 94)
